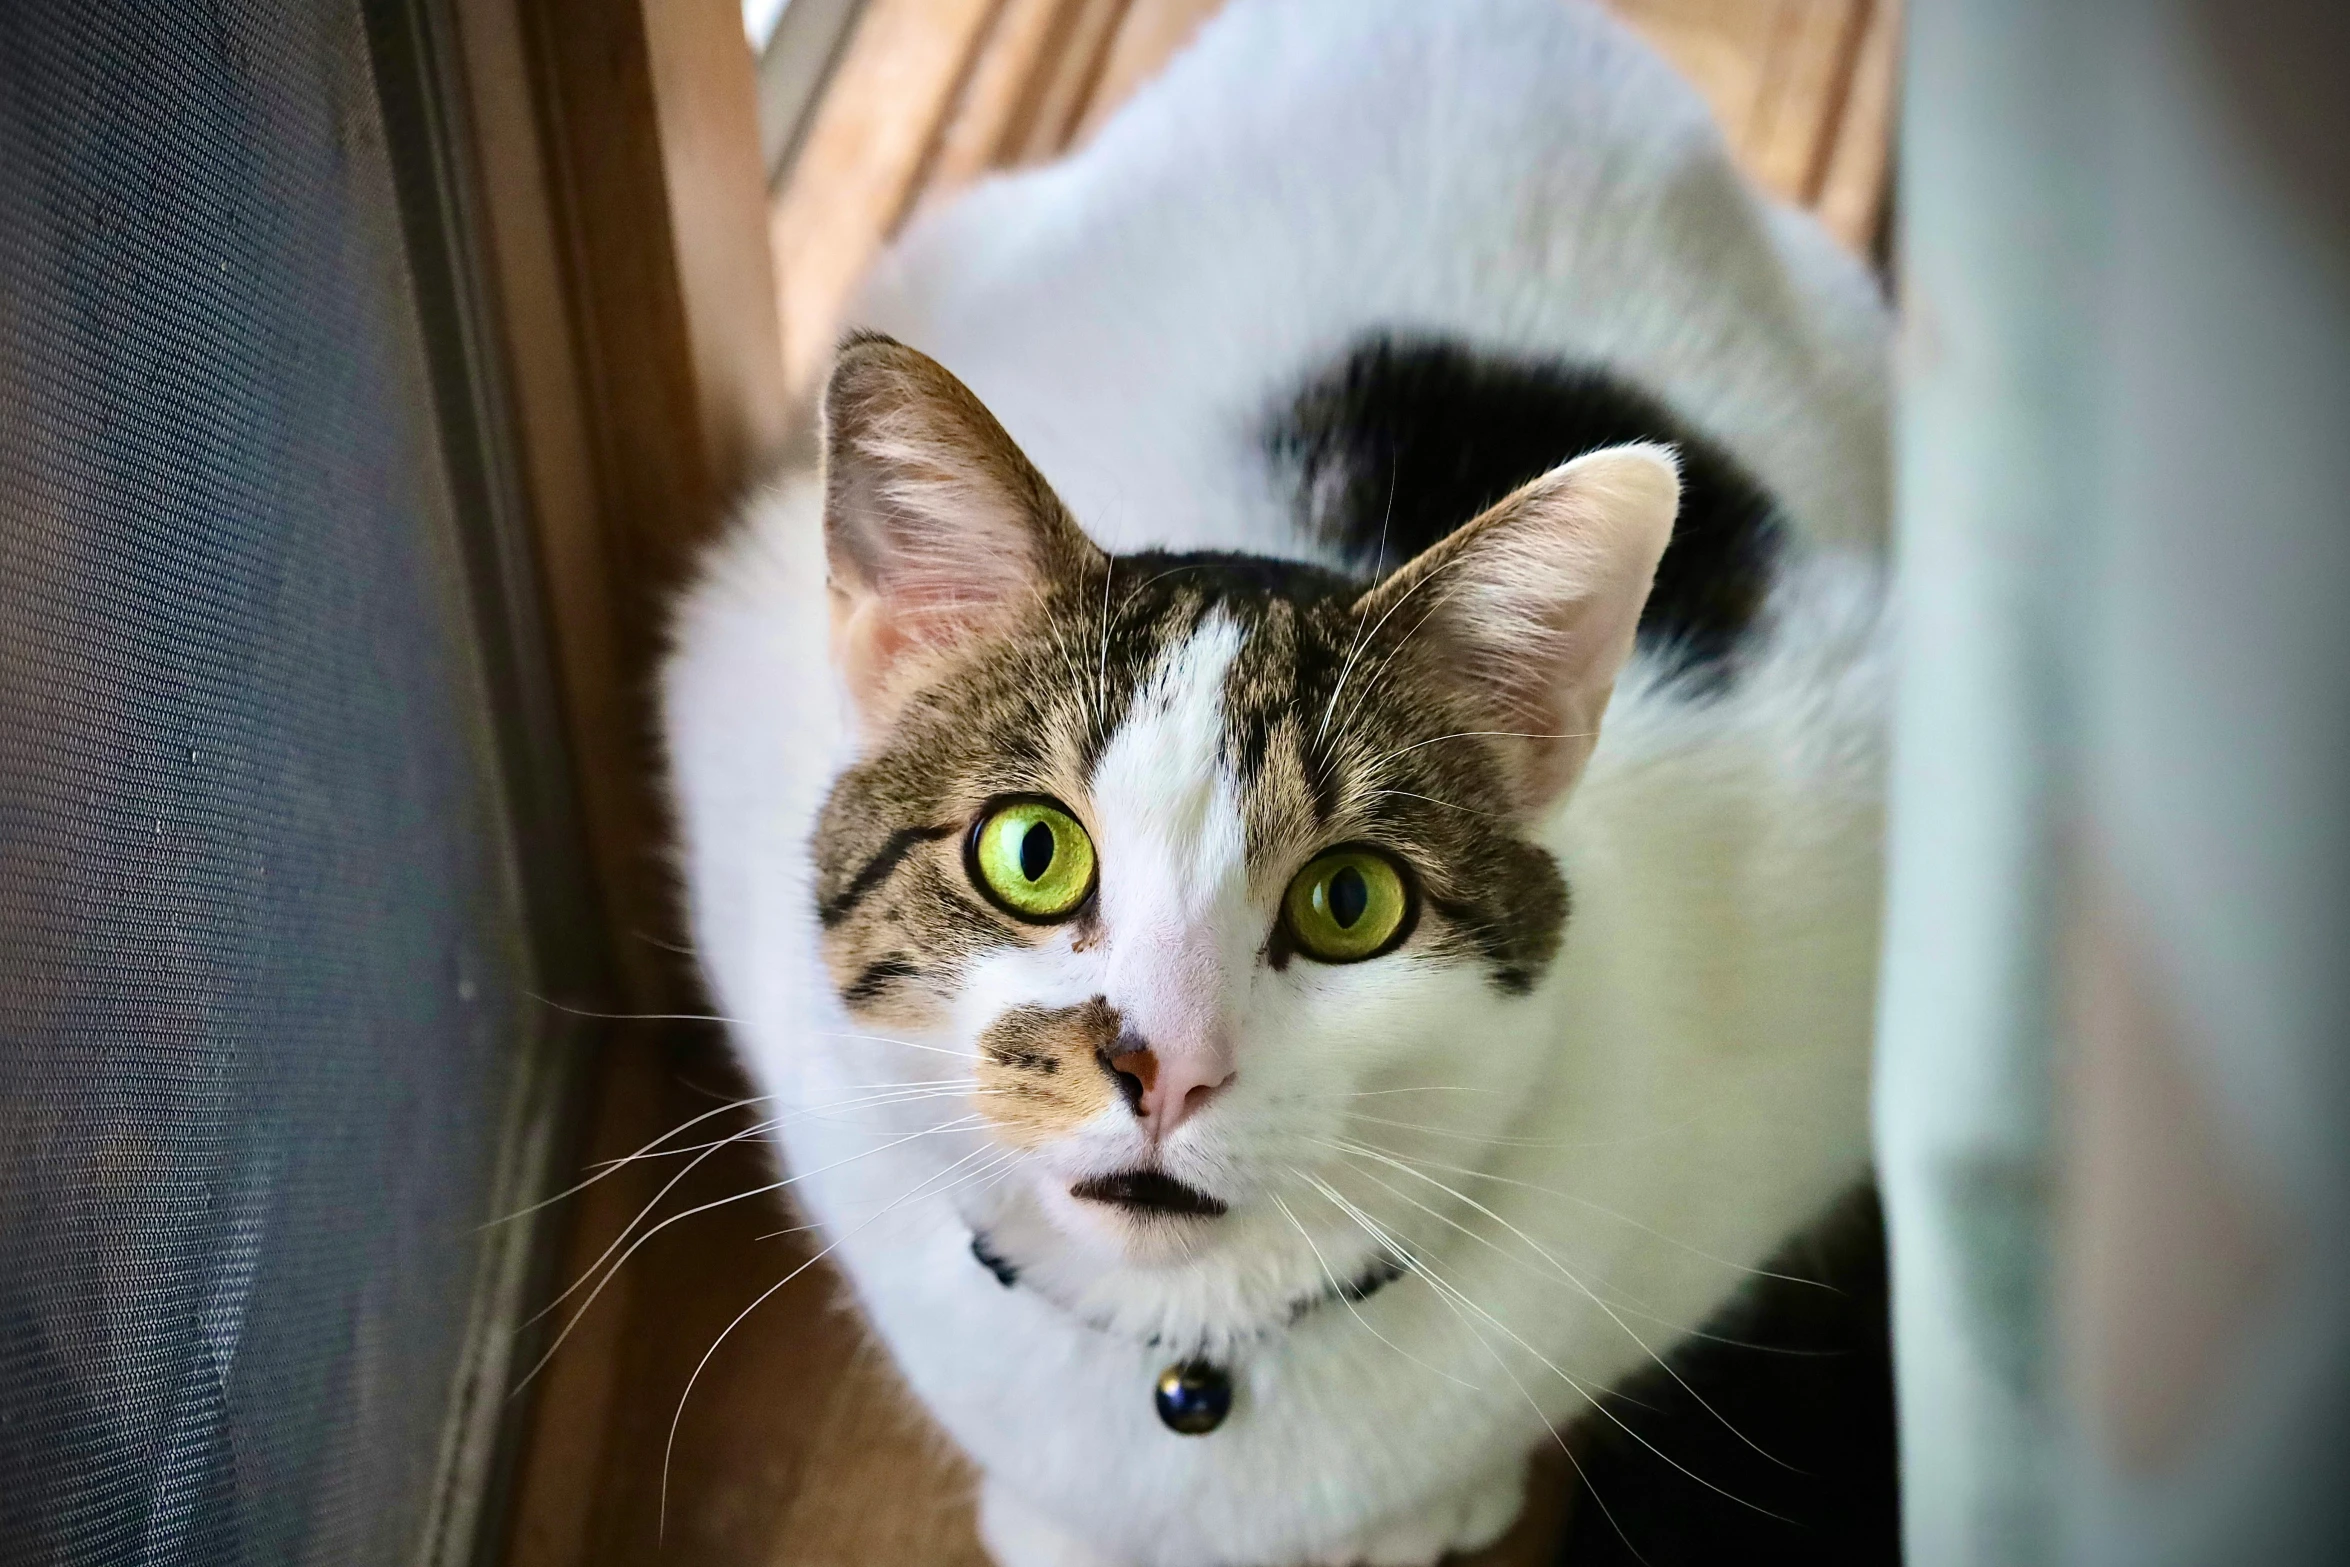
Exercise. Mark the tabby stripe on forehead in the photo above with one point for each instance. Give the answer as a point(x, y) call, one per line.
point(875, 871)
point(878, 977)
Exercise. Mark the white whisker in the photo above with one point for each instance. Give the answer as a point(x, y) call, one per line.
point(1101, 676)
point(630, 1017)
point(1563, 1272)
point(1362, 618)
point(618, 1241)
point(1453, 1301)
point(1347, 668)
point(1435, 607)
point(581, 1186)
point(883, 1096)
point(1339, 1290)
point(1490, 1139)
point(1407, 794)
point(604, 1167)
point(886, 1039)
point(963, 1123)
point(1605, 1212)
point(669, 1449)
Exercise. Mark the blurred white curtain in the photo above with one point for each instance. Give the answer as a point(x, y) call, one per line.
point(2114, 1077)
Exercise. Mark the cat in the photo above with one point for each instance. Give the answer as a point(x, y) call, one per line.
point(1288, 820)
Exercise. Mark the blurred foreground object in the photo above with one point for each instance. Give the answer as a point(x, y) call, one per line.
point(2114, 1099)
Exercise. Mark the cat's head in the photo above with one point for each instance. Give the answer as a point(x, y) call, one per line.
point(1207, 863)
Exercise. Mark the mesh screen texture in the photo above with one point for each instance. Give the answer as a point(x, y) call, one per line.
point(261, 963)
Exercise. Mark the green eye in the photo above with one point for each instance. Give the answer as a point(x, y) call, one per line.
point(1348, 905)
point(1032, 859)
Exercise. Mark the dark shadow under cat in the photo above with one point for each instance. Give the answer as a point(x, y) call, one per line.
point(1799, 1367)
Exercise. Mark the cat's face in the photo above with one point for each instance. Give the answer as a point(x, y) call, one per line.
point(1202, 862)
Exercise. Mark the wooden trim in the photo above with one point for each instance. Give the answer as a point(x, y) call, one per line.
point(1148, 37)
point(992, 114)
point(426, 115)
point(799, 59)
point(1803, 89)
point(1856, 176)
point(618, 141)
point(616, 147)
point(1066, 85)
point(861, 165)
point(705, 92)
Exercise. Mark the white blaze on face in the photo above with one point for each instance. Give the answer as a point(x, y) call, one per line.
point(1174, 889)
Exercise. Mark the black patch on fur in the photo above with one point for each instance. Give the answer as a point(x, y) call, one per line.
point(1005, 1274)
point(869, 986)
point(1515, 968)
point(1371, 1281)
point(1235, 574)
point(1404, 440)
point(1804, 1370)
point(875, 871)
point(1382, 1272)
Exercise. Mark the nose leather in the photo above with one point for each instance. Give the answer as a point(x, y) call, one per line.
point(1166, 1092)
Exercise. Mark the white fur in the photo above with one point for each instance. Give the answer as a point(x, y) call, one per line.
point(1685, 1087)
point(1519, 178)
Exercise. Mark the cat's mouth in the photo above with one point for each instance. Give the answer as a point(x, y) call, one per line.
point(1149, 1191)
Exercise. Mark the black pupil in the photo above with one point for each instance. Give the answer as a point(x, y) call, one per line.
point(1036, 851)
point(1349, 896)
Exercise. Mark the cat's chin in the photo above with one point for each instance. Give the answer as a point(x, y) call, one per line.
point(1185, 1279)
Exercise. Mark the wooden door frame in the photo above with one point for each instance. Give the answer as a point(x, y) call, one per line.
point(618, 212)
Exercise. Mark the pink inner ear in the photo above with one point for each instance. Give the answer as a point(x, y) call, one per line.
point(956, 560)
point(1545, 599)
point(936, 526)
point(886, 639)
point(930, 549)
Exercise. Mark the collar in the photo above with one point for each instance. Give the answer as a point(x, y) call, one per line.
point(1195, 1394)
point(1382, 1271)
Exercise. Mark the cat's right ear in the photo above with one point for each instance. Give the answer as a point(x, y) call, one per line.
point(1531, 607)
point(938, 531)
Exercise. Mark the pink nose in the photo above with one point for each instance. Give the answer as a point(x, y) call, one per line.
point(1165, 1094)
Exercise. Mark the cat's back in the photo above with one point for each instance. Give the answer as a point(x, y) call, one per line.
point(1510, 178)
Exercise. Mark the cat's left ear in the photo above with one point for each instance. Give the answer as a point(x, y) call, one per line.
point(1529, 610)
point(938, 531)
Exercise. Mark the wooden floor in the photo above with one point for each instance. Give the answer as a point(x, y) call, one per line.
point(797, 1447)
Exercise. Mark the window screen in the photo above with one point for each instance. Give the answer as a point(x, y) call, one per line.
point(263, 971)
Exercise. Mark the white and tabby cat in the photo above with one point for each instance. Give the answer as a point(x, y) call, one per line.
point(1263, 1052)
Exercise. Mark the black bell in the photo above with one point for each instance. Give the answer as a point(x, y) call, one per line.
point(1194, 1396)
